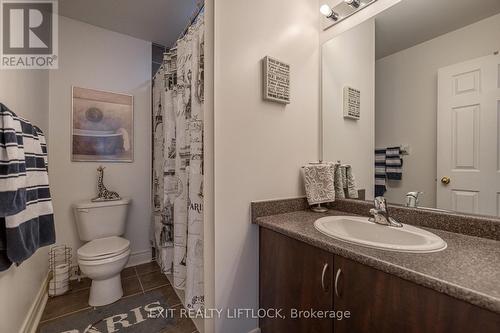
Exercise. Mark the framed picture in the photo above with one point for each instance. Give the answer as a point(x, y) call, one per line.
point(102, 126)
point(276, 80)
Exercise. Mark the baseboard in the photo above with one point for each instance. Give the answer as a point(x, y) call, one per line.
point(256, 330)
point(32, 320)
point(139, 257)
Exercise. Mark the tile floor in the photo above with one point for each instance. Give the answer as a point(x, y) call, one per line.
point(139, 279)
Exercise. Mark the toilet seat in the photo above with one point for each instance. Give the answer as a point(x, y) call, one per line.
point(101, 262)
point(103, 249)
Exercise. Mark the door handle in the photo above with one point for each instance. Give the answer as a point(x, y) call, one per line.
point(446, 180)
point(323, 285)
point(337, 278)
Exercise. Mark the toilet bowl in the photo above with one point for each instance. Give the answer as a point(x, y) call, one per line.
point(102, 260)
point(105, 253)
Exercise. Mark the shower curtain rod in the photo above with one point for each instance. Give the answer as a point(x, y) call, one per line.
point(191, 21)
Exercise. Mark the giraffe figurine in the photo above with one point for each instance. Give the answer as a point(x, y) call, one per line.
point(103, 194)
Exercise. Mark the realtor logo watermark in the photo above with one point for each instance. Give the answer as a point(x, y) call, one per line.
point(29, 35)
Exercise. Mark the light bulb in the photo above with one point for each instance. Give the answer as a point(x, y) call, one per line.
point(325, 10)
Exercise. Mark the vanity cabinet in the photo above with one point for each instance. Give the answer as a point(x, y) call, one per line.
point(293, 275)
point(381, 302)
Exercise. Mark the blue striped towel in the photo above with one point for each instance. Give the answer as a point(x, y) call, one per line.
point(26, 213)
point(394, 163)
point(380, 172)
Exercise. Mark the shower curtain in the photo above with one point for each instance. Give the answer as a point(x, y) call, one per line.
point(178, 164)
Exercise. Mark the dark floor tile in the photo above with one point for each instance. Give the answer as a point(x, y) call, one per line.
point(182, 324)
point(61, 305)
point(75, 285)
point(153, 280)
point(131, 286)
point(128, 272)
point(50, 322)
point(147, 268)
point(170, 295)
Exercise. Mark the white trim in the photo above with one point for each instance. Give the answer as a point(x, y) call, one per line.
point(35, 312)
point(256, 330)
point(139, 257)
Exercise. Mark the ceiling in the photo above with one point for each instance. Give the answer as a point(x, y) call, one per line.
point(412, 22)
point(158, 21)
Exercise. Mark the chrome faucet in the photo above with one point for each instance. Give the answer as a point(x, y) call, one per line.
point(381, 214)
point(412, 199)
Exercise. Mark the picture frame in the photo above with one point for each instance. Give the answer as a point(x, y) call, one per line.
point(276, 77)
point(102, 126)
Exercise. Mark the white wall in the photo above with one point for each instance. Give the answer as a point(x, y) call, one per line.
point(26, 93)
point(406, 100)
point(93, 57)
point(259, 146)
point(348, 60)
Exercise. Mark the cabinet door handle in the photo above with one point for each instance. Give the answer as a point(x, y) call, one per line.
point(337, 277)
point(325, 267)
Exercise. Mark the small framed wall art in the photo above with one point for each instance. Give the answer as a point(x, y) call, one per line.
point(102, 126)
point(352, 103)
point(276, 80)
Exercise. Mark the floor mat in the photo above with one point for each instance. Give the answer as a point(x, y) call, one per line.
point(143, 313)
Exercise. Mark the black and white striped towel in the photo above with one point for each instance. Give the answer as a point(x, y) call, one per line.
point(380, 172)
point(394, 163)
point(26, 213)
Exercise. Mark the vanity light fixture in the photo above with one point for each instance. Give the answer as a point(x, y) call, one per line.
point(342, 10)
point(353, 3)
point(328, 12)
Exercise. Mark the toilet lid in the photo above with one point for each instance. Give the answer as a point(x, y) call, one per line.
point(103, 248)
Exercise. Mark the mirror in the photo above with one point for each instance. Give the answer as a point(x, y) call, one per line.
point(420, 85)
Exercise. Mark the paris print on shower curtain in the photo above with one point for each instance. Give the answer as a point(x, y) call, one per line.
point(178, 164)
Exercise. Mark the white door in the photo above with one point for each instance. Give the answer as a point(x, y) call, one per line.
point(468, 142)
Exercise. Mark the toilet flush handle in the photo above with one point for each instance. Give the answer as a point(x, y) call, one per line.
point(83, 210)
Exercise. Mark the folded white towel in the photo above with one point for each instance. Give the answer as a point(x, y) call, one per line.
point(319, 183)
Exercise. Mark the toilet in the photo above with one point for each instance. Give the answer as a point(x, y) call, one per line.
point(105, 253)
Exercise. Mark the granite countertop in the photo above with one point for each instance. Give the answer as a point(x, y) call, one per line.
point(468, 269)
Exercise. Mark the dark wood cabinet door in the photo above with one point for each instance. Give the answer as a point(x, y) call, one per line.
point(294, 275)
point(380, 302)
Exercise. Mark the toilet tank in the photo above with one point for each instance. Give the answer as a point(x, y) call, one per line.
point(101, 219)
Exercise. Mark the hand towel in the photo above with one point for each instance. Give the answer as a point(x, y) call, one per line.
point(319, 183)
point(343, 173)
point(380, 172)
point(393, 163)
point(352, 191)
point(339, 181)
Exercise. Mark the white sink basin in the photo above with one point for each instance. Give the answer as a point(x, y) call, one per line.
point(358, 230)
